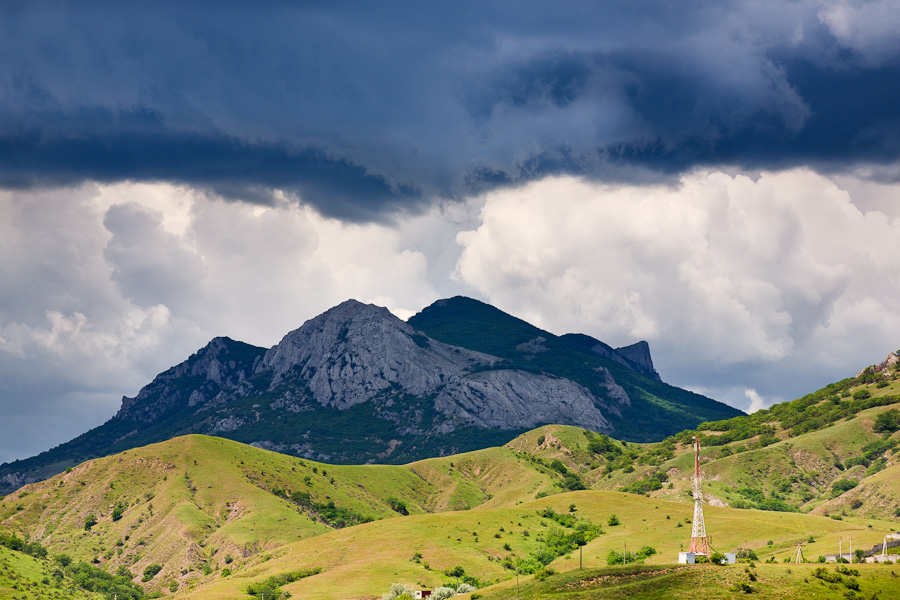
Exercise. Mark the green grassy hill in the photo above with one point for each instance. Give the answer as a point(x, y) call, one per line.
point(196, 503)
point(218, 516)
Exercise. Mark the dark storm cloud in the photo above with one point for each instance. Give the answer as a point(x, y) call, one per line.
point(362, 109)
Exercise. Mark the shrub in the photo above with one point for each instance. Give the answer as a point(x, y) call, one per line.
point(151, 571)
point(398, 505)
point(117, 512)
point(269, 588)
point(397, 590)
point(746, 554)
point(64, 560)
point(842, 485)
point(97, 580)
point(887, 422)
point(863, 394)
point(441, 593)
point(613, 520)
point(89, 521)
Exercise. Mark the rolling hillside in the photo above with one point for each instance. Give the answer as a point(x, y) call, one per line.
point(218, 516)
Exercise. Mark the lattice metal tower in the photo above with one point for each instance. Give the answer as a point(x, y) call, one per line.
point(699, 541)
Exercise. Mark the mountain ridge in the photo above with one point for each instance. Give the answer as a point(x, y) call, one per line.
point(356, 384)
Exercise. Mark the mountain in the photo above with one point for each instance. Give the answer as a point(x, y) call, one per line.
point(356, 384)
point(639, 406)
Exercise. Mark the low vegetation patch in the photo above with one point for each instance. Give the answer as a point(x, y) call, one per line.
point(271, 587)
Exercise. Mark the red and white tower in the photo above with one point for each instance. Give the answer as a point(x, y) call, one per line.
point(699, 542)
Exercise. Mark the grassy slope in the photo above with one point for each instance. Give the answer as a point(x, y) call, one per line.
point(364, 560)
point(25, 578)
point(773, 582)
point(195, 500)
point(192, 501)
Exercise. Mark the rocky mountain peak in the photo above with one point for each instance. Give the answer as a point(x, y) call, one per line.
point(354, 352)
point(639, 354)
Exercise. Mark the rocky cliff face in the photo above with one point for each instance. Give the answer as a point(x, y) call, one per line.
point(357, 353)
point(639, 355)
point(354, 352)
point(215, 372)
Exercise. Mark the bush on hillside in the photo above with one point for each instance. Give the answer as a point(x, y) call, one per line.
point(887, 422)
point(270, 587)
point(151, 571)
point(442, 593)
point(396, 591)
point(843, 485)
point(618, 558)
point(398, 505)
point(94, 579)
point(117, 512)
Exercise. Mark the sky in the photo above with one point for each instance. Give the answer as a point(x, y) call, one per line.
point(720, 179)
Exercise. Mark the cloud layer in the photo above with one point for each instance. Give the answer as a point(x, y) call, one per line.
point(372, 109)
point(778, 283)
point(748, 290)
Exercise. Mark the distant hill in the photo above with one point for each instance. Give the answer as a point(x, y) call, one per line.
point(358, 385)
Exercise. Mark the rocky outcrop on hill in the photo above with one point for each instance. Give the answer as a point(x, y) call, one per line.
point(639, 354)
point(886, 366)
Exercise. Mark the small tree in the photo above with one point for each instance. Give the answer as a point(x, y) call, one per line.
point(90, 521)
point(64, 560)
point(117, 512)
point(613, 520)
